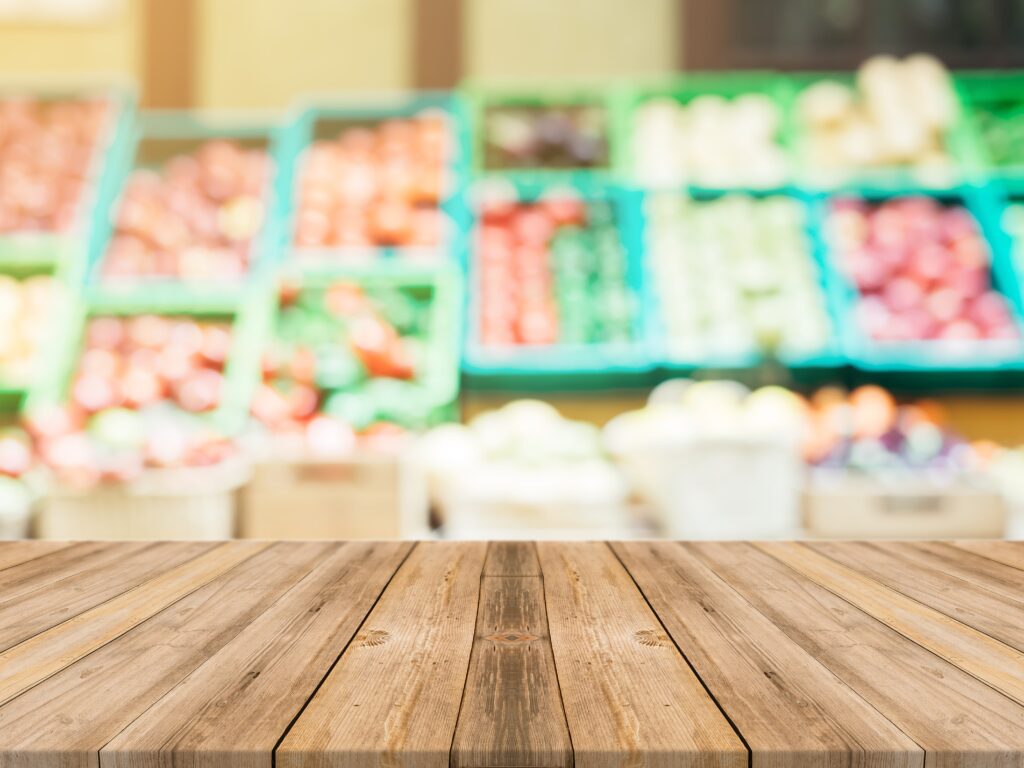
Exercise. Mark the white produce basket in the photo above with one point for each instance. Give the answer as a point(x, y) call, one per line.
point(719, 487)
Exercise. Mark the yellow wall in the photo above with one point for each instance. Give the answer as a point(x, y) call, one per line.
point(541, 40)
point(262, 53)
point(110, 44)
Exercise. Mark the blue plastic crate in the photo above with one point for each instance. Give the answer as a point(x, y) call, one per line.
point(364, 110)
point(911, 357)
point(153, 138)
point(559, 366)
point(828, 357)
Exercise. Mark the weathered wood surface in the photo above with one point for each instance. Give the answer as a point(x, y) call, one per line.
point(540, 655)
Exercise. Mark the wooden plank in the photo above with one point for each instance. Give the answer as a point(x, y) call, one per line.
point(35, 659)
point(1009, 553)
point(511, 710)
point(630, 698)
point(17, 552)
point(512, 558)
point(393, 698)
point(232, 710)
point(51, 603)
point(43, 571)
point(790, 709)
point(996, 663)
point(933, 580)
point(958, 720)
point(65, 720)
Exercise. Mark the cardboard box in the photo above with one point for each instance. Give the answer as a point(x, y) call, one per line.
point(853, 507)
point(366, 496)
point(171, 504)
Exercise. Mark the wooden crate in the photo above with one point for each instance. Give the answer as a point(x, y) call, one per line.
point(366, 496)
point(179, 504)
point(861, 508)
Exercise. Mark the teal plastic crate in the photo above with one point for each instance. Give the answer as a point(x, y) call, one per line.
point(482, 98)
point(332, 113)
point(959, 140)
point(155, 137)
point(981, 91)
point(824, 363)
point(36, 252)
point(565, 367)
point(241, 371)
point(684, 89)
point(981, 362)
point(441, 284)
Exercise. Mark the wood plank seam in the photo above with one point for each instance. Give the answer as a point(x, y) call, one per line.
point(554, 660)
point(57, 546)
point(954, 659)
point(867, 701)
point(973, 548)
point(664, 629)
point(486, 574)
point(330, 669)
point(7, 696)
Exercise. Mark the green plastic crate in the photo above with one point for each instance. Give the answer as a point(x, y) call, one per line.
point(439, 376)
point(982, 363)
point(241, 371)
point(560, 366)
point(481, 98)
point(683, 89)
point(330, 113)
point(35, 252)
point(959, 139)
point(156, 137)
point(983, 90)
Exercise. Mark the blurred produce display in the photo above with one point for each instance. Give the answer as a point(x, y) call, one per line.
point(26, 308)
point(193, 219)
point(345, 359)
point(18, 486)
point(1001, 131)
point(523, 466)
point(545, 137)
point(866, 430)
point(136, 400)
point(710, 141)
point(1013, 225)
point(922, 270)
point(685, 450)
point(377, 185)
point(552, 272)
point(897, 115)
point(734, 276)
point(47, 151)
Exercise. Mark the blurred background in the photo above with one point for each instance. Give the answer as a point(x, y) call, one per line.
point(511, 268)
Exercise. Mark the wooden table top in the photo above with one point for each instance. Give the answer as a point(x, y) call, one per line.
point(717, 655)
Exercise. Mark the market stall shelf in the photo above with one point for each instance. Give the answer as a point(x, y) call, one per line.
point(499, 655)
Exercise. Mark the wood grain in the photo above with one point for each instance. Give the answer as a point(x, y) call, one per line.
point(511, 710)
point(790, 709)
point(630, 699)
point(512, 558)
point(926, 576)
point(33, 611)
point(35, 659)
point(17, 552)
point(393, 698)
point(957, 719)
point(38, 573)
point(1009, 553)
point(996, 663)
point(231, 711)
point(65, 720)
